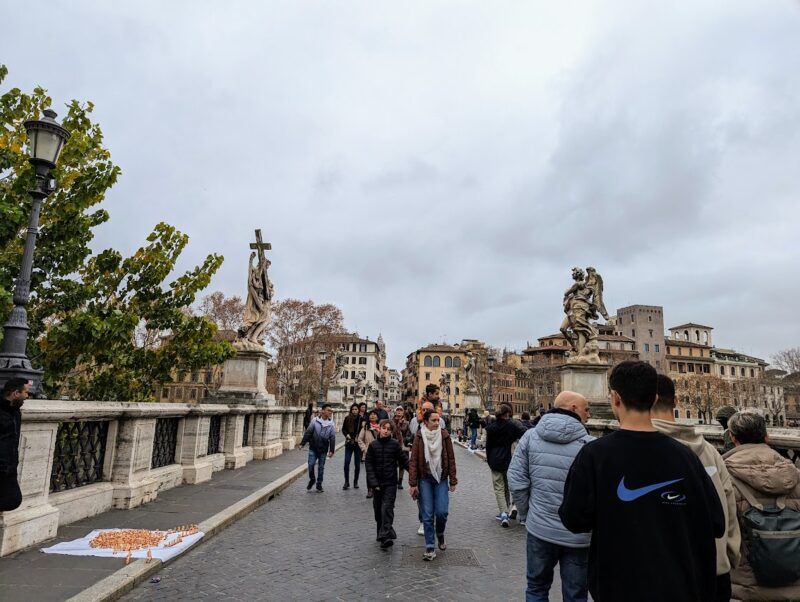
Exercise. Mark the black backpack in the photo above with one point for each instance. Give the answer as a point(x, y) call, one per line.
point(772, 539)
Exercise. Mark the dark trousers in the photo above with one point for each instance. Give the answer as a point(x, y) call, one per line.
point(352, 450)
point(724, 592)
point(542, 559)
point(383, 506)
point(10, 495)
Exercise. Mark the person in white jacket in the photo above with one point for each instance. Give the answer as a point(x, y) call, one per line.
point(662, 416)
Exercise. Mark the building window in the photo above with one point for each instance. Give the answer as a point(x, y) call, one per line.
point(456, 362)
point(633, 318)
point(752, 373)
point(722, 370)
point(650, 319)
point(428, 361)
point(688, 413)
point(352, 390)
point(427, 376)
point(437, 361)
point(651, 333)
point(448, 362)
point(362, 347)
point(633, 333)
point(458, 392)
point(657, 349)
point(741, 371)
point(362, 360)
point(647, 347)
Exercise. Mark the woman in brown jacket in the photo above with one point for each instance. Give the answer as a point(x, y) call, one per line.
point(431, 476)
point(760, 473)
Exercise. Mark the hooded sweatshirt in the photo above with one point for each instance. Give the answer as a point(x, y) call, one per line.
point(500, 436)
point(320, 436)
point(769, 476)
point(728, 545)
point(538, 471)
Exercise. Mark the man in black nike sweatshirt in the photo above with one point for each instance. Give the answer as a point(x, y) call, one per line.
point(651, 507)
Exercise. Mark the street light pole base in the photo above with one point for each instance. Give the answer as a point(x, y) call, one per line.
point(20, 367)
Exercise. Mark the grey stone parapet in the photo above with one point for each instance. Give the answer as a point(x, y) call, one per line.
point(126, 476)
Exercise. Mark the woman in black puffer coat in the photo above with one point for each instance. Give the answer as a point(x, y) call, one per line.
point(384, 457)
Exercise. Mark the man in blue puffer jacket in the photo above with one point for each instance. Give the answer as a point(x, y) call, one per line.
point(536, 479)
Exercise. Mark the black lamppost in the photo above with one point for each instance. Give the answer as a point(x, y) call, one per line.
point(490, 404)
point(322, 355)
point(46, 138)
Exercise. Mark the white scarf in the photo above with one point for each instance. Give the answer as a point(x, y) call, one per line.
point(432, 443)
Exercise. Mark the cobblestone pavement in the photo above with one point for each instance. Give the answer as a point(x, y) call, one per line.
point(321, 546)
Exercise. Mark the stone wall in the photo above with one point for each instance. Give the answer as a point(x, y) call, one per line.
point(70, 434)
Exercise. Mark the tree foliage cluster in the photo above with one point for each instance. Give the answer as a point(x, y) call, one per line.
point(103, 326)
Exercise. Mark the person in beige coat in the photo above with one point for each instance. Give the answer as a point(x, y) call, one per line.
point(368, 434)
point(767, 476)
point(662, 417)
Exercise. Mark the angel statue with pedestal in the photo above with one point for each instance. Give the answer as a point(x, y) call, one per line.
point(583, 303)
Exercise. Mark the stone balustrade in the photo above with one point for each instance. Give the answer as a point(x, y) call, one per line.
point(81, 458)
point(786, 441)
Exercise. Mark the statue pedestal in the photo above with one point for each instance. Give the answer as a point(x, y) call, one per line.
point(472, 401)
point(335, 396)
point(591, 381)
point(244, 379)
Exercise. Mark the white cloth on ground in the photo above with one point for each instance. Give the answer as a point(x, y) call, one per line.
point(82, 547)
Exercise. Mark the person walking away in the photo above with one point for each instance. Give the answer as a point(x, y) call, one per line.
point(500, 436)
point(648, 502)
point(368, 434)
point(385, 456)
point(351, 427)
point(321, 439)
point(723, 415)
point(663, 418)
point(473, 422)
point(401, 434)
point(767, 488)
point(14, 394)
point(536, 478)
point(431, 471)
point(525, 419)
point(308, 416)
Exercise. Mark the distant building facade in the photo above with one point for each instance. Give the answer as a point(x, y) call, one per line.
point(645, 325)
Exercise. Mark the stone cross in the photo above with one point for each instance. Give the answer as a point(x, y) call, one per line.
point(261, 247)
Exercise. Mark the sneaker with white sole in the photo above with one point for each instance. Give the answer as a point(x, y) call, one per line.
point(429, 554)
point(504, 520)
point(421, 530)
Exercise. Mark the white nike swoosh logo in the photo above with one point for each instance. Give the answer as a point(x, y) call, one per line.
point(711, 470)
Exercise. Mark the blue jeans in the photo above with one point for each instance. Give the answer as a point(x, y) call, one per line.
point(435, 501)
point(473, 437)
point(542, 559)
point(350, 451)
point(314, 457)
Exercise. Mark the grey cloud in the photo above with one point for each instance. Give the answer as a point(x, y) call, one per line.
point(438, 172)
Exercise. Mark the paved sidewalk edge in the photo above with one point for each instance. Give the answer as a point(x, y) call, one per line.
point(125, 579)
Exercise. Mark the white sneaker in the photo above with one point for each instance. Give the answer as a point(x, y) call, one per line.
point(421, 530)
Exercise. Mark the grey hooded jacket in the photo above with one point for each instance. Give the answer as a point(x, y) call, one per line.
point(538, 471)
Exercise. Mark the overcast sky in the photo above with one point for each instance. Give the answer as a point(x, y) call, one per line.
point(436, 168)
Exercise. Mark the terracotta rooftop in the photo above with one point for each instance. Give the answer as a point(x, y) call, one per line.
point(691, 325)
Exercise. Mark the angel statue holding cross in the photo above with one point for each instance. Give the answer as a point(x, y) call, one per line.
point(258, 310)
